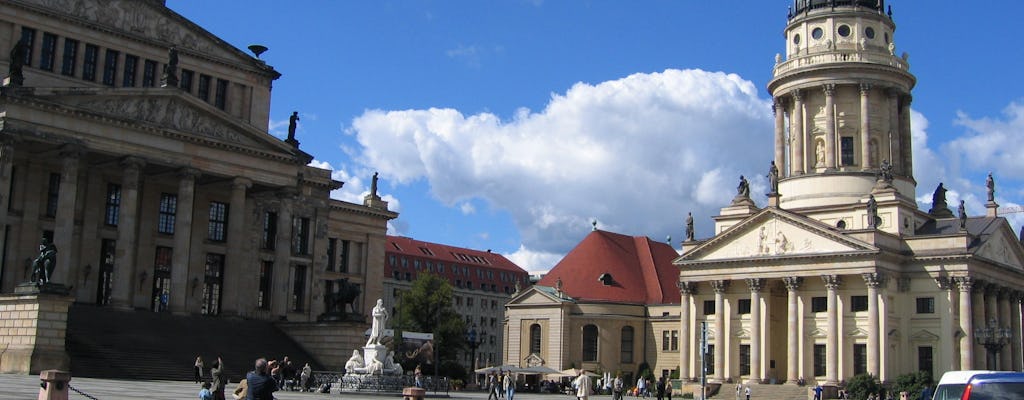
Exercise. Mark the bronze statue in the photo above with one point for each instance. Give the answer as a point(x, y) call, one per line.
point(170, 77)
point(373, 185)
point(292, 124)
point(18, 53)
point(885, 172)
point(743, 190)
point(334, 302)
point(990, 186)
point(962, 213)
point(939, 197)
point(45, 262)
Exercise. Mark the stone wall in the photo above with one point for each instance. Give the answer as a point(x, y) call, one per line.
point(32, 332)
point(331, 343)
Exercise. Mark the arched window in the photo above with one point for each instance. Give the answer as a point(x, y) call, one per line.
point(590, 343)
point(626, 345)
point(535, 339)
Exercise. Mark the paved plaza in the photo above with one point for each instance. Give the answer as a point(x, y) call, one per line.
point(22, 387)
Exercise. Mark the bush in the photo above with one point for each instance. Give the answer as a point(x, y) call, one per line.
point(860, 386)
point(912, 383)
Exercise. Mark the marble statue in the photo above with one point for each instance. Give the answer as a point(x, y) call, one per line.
point(773, 179)
point(380, 316)
point(872, 212)
point(990, 188)
point(962, 213)
point(689, 226)
point(354, 362)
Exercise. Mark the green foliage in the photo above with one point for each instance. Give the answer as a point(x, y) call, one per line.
point(675, 374)
point(912, 383)
point(644, 369)
point(427, 307)
point(860, 386)
point(452, 369)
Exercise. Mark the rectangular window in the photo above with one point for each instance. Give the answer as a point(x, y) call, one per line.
point(926, 305)
point(149, 73)
point(675, 341)
point(67, 66)
point(709, 360)
point(212, 284)
point(168, 209)
point(846, 150)
point(332, 245)
point(186, 80)
point(105, 276)
point(858, 303)
point(89, 62)
point(218, 221)
point(299, 289)
point(110, 66)
point(300, 242)
point(28, 36)
point(819, 304)
point(113, 209)
point(48, 52)
point(664, 340)
point(744, 359)
point(743, 306)
point(709, 307)
point(819, 360)
point(469, 302)
point(626, 345)
point(263, 299)
point(269, 230)
point(860, 358)
point(204, 87)
point(131, 65)
point(52, 195)
point(220, 96)
point(925, 360)
point(346, 246)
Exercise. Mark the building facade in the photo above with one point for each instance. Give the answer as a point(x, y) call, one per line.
point(136, 142)
point(482, 283)
point(611, 305)
point(841, 274)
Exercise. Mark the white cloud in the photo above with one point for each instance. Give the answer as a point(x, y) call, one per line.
point(635, 153)
point(467, 208)
point(534, 262)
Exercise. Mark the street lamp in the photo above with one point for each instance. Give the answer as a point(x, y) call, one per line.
point(993, 338)
point(474, 342)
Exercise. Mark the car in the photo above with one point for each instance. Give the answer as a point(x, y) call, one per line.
point(995, 386)
point(951, 385)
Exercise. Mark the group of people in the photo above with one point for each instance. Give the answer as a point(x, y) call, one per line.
point(501, 386)
point(662, 388)
point(265, 378)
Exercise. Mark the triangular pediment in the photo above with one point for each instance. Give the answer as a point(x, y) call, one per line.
point(742, 333)
point(1003, 248)
point(817, 333)
point(857, 333)
point(535, 295)
point(924, 336)
point(172, 113)
point(149, 20)
point(776, 233)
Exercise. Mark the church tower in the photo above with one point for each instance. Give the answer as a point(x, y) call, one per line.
point(842, 115)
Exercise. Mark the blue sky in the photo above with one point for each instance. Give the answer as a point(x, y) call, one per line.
point(511, 125)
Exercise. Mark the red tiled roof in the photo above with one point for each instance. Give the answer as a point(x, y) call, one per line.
point(450, 256)
point(641, 270)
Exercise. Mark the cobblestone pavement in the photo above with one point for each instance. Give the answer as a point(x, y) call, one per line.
point(22, 387)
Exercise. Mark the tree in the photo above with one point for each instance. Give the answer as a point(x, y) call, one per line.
point(860, 386)
point(427, 307)
point(913, 383)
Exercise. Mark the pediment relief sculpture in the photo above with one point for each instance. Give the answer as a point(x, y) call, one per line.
point(167, 113)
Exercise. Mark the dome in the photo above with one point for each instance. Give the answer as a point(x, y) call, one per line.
point(800, 6)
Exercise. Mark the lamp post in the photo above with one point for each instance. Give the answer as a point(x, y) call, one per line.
point(993, 338)
point(474, 342)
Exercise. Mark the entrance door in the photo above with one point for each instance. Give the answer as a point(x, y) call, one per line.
point(212, 284)
point(161, 279)
point(105, 275)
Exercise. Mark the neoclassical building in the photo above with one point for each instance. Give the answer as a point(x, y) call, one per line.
point(137, 142)
point(841, 273)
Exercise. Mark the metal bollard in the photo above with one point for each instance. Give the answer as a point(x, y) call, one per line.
point(54, 385)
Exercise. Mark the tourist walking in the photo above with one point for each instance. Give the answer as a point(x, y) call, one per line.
point(641, 387)
point(748, 392)
point(617, 386)
point(492, 387)
point(199, 369)
point(659, 388)
point(510, 385)
point(583, 386)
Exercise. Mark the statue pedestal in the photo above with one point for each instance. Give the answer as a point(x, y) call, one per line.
point(374, 352)
point(32, 339)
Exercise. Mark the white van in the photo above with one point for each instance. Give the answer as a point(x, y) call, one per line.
point(951, 385)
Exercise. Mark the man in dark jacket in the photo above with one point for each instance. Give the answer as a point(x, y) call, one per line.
point(261, 385)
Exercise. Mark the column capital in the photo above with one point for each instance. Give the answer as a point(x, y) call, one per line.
point(797, 95)
point(71, 151)
point(944, 283)
point(832, 282)
point(965, 283)
point(720, 285)
point(892, 93)
point(756, 284)
point(829, 88)
point(792, 282)
point(1002, 292)
point(686, 288)
point(133, 162)
point(874, 279)
point(188, 173)
point(242, 183)
point(865, 88)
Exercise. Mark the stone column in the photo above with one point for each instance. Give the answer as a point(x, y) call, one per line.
point(720, 286)
point(1006, 355)
point(780, 134)
point(6, 168)
point(796, 134)
point(685, 290)
point(873, 281)
point(944, 307)
point(906, 153)
point(282, 254)
point(1015, 329)
point(755, 329)
point(865, 128)
point(793, 331)
point(181, 288)
point(832, 283)
point(64, 222)
point(978, 306)
point(894, 129)
point(234, 267)
point(830, 126)
point(125, 254)
point(964, 284)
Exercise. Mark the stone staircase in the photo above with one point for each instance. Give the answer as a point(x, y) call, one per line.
point(764, 392)
point(115, 344)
